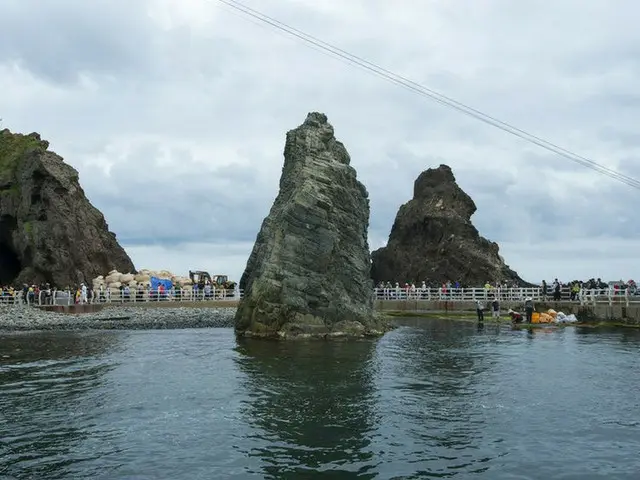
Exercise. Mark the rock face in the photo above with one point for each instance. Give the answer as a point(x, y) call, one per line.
point(433, 239)
point(49, 231)
point(309, 272)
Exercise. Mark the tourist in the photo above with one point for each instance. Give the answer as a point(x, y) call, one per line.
point(528, 309)
point(480, 311)
point(495, 308)
point(515, 316)
point(83, 293)
point(556, 290)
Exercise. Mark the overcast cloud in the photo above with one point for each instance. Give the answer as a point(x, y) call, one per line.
point(175, 114)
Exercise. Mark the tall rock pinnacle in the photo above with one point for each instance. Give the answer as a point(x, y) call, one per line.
point(309, 271)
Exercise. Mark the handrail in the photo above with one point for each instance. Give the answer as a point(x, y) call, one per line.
point(67, 297)
point(583, 296)
point(516, 295)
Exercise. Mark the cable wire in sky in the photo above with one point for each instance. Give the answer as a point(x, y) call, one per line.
point(410, 85)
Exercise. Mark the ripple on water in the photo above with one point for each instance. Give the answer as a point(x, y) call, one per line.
point(432, 400)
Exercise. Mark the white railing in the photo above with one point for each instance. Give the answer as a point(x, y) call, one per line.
point(582, 297)
point(66, 297)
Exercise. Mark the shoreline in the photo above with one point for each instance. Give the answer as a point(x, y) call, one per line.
point(118, 317)
point(25, 319)
point(470, 317)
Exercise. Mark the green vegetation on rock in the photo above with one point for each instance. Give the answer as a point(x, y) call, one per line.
point(28, 229)
point(13, 147)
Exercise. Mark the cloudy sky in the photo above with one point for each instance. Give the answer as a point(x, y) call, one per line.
point(175, 111)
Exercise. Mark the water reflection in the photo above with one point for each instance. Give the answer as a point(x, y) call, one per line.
point(432, 414)
point(42, 401)
point(313, 404)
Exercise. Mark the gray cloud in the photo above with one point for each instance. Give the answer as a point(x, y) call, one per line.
point(175, 114)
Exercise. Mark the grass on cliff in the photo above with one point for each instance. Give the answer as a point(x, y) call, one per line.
point(13, 147)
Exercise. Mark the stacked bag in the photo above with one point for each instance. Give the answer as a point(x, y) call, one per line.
point(114, 280)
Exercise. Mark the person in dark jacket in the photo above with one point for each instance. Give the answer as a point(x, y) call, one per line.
point(495, 309)
point(480, 311)
point(528, 309)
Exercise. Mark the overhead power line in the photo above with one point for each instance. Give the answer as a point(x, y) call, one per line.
point(410, 85)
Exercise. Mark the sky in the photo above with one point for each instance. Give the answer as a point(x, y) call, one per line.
point(175, 113)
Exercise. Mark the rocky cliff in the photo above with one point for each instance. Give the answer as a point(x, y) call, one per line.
point(49, 231)
point(309, 271)
point(433, 239)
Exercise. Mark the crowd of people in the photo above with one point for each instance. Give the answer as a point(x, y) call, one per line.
point(44, 294)
point(555, 290)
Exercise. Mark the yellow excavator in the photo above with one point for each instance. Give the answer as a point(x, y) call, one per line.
point(219, 282)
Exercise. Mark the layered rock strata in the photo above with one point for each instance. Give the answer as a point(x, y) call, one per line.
point(433, 239)
point(49, 231)
point(309, 272)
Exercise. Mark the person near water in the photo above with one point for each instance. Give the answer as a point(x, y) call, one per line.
point(528, 308)
point(515, 316)
point(480, 311)
point(495, 308)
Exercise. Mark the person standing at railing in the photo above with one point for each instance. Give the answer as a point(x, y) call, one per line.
point(423, 291)
point(556, 290)
point(528, 309)
point(575, 289)
point(83, 293)
point(544, 290)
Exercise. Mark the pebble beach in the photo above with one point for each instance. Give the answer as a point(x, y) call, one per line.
point(22, 318)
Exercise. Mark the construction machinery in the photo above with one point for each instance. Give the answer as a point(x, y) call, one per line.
point(218, 282)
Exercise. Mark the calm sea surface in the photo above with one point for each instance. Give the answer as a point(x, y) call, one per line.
point(432, 399)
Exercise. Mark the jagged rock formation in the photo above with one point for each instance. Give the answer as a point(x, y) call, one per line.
point(309, 272)
point(433, 239)
point(49, 231)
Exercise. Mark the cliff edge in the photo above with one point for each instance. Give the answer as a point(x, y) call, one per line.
point(49, 231)
point(433, 239)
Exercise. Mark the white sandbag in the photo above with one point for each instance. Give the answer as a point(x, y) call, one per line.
point(113, 272)
point(144, 271)
point(98, 278)
point(164, 275)
point(126, 278)
point(113, 285)
point(141, 278)
point(112, 278)
point(133, 283)
point(569, 319)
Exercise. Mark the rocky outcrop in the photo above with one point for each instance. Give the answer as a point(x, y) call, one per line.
point(433, 239)
point(49, 231)
point(309, 272)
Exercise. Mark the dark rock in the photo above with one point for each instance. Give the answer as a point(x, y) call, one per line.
point(49, 231)
point(308, 275)
point(433, 239)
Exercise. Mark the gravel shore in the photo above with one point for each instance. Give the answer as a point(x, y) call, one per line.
point(22, 318)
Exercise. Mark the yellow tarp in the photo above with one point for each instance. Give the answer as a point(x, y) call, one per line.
point(541, 318)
